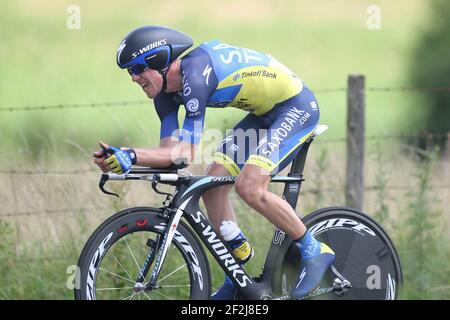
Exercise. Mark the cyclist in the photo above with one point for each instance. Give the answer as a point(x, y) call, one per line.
point(282, 114)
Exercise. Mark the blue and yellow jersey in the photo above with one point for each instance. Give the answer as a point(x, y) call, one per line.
point(216, 74)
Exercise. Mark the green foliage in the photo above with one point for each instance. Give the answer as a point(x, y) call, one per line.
point(423, 241)
point(7, 255)
point(430, 67)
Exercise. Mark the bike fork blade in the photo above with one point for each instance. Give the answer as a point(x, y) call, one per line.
point(154, 246)
point(167, 241)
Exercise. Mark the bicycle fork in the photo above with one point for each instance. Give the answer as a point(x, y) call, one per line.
point(160, 247)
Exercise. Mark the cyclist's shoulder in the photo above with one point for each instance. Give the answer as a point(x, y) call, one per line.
point(197, 69)
point(195, 63)
point(195, 57)
point(220, 52)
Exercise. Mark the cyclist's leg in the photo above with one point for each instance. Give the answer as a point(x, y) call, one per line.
point(229, 159)
point(293, 123)
point(217, 201)
point(252, 186)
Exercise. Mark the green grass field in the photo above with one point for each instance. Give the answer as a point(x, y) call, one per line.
point(45, 63)
point(46, 219)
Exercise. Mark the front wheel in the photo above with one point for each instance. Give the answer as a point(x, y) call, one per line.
point(365, 255)
point(111, 260)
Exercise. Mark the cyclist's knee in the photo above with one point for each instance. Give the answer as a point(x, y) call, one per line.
point(217, 169)
point(250, 192)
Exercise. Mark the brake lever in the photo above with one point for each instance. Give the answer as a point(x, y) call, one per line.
point(103, 179)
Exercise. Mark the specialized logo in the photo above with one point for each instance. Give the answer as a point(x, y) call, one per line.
point(119, 50)
point(318, 291)
point(192, 105)
point(206, 73)
point(278, 237)
point(224, 141)
point(233, 147)
point(342, 223)
point(302, 276)
point(90, 286)
point(221, 251)
point(167, 240)
point(224, 179)
point(149, 47)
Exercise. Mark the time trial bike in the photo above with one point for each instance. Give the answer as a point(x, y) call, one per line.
point(157, 253)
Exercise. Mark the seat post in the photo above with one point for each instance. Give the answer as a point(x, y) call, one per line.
point(292, 189)
point(298, 165)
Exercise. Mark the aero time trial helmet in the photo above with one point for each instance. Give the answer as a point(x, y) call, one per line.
point(154, 47)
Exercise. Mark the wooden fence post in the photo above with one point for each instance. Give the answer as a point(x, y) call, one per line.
point(354, 190)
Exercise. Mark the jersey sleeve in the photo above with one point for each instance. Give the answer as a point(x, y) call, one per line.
point(199, 82)
point(167, 110)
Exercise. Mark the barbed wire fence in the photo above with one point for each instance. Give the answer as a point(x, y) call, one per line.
point(112, 104)
point(56, 173)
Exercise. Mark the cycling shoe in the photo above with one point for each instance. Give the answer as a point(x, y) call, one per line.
point(226, 292)
point(312, 270)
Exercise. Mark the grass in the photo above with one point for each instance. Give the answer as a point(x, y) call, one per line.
point(44, 63)
point(320, 41)
point(53, 216)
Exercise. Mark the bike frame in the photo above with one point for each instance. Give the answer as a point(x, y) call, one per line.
point(187, 199)
point(185, 203)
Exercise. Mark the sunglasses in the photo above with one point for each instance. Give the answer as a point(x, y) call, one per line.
point(137, 69)
point(156, 59)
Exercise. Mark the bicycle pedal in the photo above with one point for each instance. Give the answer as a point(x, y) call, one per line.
point(341, 286)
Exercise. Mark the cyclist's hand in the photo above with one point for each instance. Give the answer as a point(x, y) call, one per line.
point(119, 161)
point(100, 156)
point(114, 159)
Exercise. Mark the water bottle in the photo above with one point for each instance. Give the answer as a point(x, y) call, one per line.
point(241, 248)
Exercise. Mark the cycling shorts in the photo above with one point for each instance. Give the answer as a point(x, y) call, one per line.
point(272, 140)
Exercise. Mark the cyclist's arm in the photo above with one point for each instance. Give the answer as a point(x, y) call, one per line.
point(199, 81)
point(165, 155)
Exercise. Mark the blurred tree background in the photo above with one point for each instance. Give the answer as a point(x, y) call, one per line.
point(430, 67)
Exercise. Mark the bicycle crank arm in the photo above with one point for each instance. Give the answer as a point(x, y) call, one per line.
point(317, 292)
point(340, 284)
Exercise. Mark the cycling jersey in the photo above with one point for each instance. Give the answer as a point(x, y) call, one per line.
point(216, 74)
point(270, 141)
